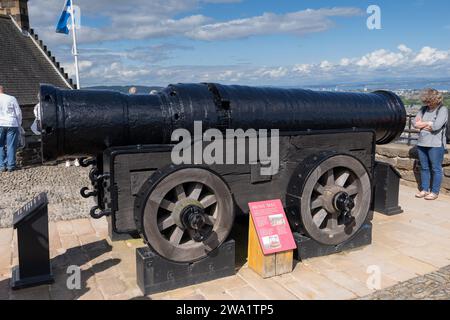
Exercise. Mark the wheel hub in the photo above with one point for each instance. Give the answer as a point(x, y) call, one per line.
point(343, 202)
point(182, 207)
point(193, 217)
point(329, 196)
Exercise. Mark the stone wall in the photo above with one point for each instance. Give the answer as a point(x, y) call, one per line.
point(405, 159)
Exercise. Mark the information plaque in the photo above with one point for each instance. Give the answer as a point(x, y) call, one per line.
point(272, 226)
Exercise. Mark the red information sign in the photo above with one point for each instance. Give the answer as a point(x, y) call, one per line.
point(272, 226)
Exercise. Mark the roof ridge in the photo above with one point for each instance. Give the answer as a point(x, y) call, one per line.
point(52, 59)
point(46, 53)
point(25, 64)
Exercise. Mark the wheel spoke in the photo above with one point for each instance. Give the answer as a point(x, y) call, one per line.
point(319, 217)
point(165, 204)
point(332, 223)
point(189, 243)
point(179, 189)
point(176, 236)
point(166, 223)
point(210, 220)
point(317, 203)
point(352, 190)
point(342, 179)
point(330, 177)
point(319, 188)
point(208, 201)
point(195, 194)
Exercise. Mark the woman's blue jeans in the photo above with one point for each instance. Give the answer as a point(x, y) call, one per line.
point(9, 138)
point(431, 172)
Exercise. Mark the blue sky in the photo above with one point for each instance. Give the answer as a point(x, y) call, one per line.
point(257, 42)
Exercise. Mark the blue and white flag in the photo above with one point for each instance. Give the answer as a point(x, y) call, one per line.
point(63, 23)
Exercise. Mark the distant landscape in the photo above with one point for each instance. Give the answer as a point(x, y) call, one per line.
point(416, 101)
point(125, 89)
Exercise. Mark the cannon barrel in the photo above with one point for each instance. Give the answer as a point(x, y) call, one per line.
point(86, 122)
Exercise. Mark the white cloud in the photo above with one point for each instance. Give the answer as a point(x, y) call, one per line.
point(273, 73)
point(142, 19)
point(381, 58)
point(297, 23)
point(403, 48)
point(326, 65)
point(381, 63)
point(345, 62)
point(302, 68)
point(429, 56)
point(120, 20)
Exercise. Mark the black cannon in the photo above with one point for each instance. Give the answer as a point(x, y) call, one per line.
point(326, 159)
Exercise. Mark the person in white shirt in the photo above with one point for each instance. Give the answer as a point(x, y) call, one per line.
point(10, 122)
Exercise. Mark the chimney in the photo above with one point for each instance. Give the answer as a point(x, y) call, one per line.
point(18, 9)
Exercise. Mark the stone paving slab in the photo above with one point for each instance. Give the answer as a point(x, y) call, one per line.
point(410, 251)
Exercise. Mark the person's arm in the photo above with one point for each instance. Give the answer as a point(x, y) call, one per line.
point(418, 124)
point(441, 120)
point(18, 112)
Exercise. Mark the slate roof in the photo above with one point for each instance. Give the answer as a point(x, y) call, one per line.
point(25, 63)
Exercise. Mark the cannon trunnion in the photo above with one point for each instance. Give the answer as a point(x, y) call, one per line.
point(326, 152)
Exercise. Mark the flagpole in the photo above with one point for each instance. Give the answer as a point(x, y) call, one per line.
point(75, 49)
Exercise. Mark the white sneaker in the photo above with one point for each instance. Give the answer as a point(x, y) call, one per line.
point(68, 164)
point(76, 163)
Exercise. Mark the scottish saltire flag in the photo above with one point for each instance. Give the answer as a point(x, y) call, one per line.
point(63, 23)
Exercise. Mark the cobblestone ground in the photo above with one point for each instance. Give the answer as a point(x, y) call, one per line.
point(433, 286)
point(61, 184)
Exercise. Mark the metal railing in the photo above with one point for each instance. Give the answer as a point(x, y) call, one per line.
point(411, 135)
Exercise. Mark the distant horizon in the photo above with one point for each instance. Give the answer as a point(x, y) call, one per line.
point(439, 84)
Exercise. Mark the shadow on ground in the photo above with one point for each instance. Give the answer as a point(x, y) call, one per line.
point(89, 257)
point(239, 233)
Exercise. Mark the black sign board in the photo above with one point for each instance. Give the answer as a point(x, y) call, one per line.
point(31, 223)
point(387, 186)
point(30, 209)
